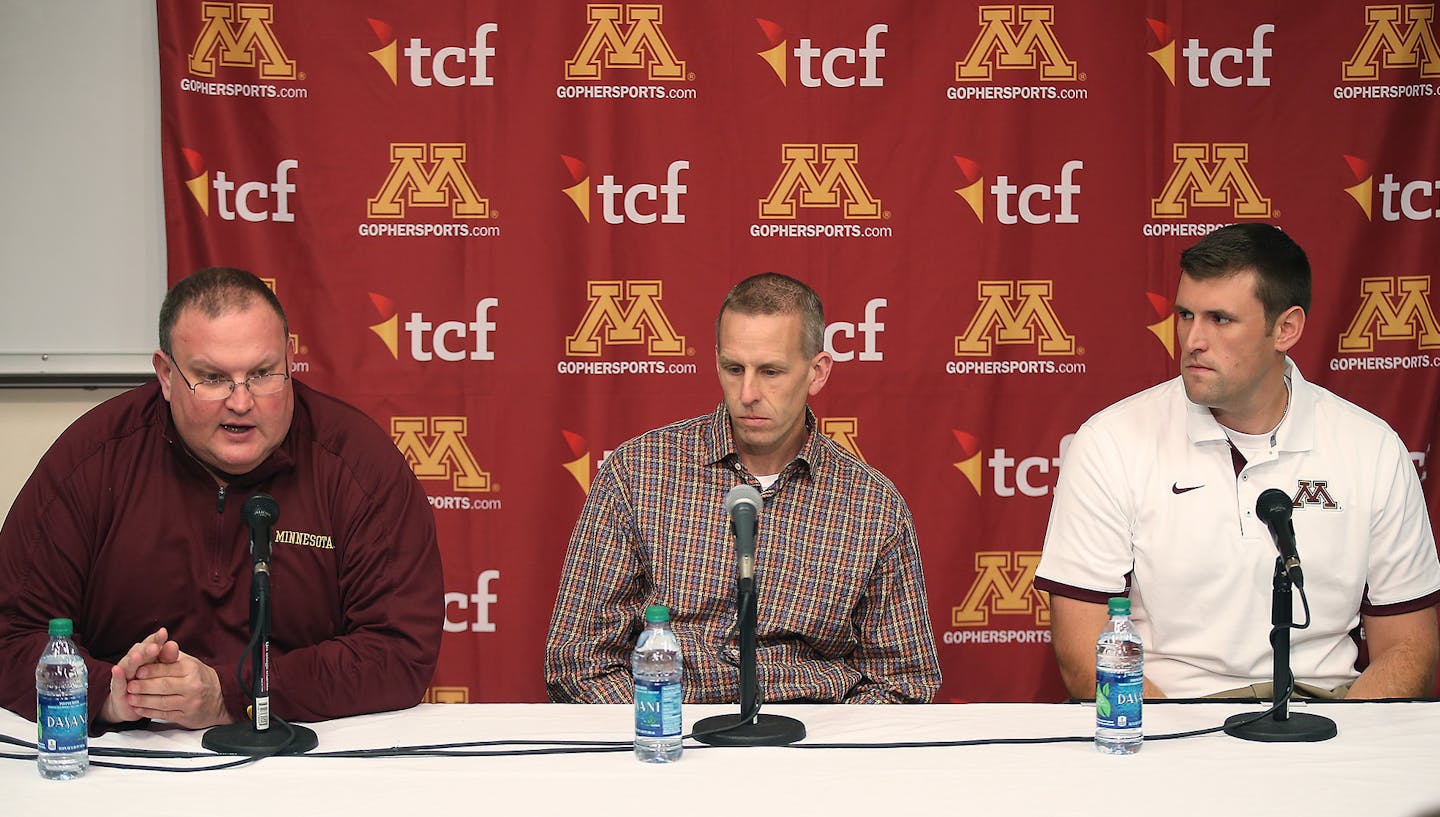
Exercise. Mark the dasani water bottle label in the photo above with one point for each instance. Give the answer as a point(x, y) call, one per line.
point(657, 709)
point(61, 724)
point(1117, 699)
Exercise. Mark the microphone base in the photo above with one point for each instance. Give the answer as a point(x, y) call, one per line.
point(243, 739)
point(764, 730)
point(1300, 727)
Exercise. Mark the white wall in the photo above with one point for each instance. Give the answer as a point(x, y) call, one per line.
point(79, 151)
point(82, 228)
point(31, 419)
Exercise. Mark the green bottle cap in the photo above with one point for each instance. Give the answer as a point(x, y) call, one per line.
point(61, 627)
point(656, 613)
point(1119, 606)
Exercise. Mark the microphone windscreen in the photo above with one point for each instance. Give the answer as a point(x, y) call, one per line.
point(1274, 505)
point(742, 494)
point(261, 509)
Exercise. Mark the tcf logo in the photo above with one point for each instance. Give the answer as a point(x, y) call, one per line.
point(252, 201)
point(1007, 192)
point(1205, 65)
point(1414, 200)
point(431, 66)
point(430, 340)
point(807, 56)
point(620, 203)
point(1003, 467)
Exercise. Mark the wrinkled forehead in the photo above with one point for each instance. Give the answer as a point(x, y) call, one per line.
point(251, 332)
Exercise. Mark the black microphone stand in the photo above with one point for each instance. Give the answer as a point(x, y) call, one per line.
point(756, 729)
point(256, 737)
point(1280, 726)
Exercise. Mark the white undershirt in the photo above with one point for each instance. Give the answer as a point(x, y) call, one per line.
point(1253, 446)
point(766, 481)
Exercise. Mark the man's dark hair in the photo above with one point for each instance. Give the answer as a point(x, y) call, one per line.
point(771, 293)
point(1282, 272)
point(215, 291)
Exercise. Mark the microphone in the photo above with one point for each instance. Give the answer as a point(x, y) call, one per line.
point(749, 727)
point(255, 737)
point(1278, 724)
point(261, 512)
point(743, 505)
point(1274, 508)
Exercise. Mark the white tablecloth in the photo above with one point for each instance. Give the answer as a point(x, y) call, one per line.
point(1385, 761)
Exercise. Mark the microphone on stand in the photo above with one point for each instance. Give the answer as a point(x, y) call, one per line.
point(1274, 509)
point(749, 727)
point(261, 512)
point(743, 505)
point(1279, 725)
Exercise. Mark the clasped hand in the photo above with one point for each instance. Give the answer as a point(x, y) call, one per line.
point(155, 679)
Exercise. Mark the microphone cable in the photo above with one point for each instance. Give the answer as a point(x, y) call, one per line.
point(527, 747)
point(1040, 740)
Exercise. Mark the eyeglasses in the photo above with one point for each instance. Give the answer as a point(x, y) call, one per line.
point(260, 385)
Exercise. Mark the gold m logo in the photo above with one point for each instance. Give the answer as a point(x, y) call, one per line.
point(820, 185)
point(1393, 309)
point(607, 322)
point(1314, 492)
point(1034, 44)
point(1005, 586)
point(1210, 176)
point(428, 175)
point(240, 32)
point(445, 456)
point(446, 695)
point(844, 431)
point(642, 45)
point(1384, 46)
point(1031, 319)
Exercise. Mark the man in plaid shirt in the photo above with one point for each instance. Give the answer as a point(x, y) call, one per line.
point(842, 608)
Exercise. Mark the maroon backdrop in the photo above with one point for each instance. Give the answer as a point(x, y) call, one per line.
point(503, 231)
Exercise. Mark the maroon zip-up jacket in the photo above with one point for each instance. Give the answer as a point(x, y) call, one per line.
point(120, 529)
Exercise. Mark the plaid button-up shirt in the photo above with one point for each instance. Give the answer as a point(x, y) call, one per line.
point(842, 608)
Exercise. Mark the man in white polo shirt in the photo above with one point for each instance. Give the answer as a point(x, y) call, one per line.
point(1156, 500)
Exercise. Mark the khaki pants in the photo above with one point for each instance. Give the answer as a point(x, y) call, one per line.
point(1267, 691)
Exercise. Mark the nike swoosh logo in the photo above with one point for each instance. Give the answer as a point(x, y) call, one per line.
point(1175, 488)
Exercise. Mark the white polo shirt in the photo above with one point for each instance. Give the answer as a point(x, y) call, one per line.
point(1148, 491)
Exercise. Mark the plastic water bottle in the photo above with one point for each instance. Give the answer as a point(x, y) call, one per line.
point(656, 663)
point(1119, 684)
point(62, 717)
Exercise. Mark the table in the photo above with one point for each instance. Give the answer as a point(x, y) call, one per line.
point(1384, 762)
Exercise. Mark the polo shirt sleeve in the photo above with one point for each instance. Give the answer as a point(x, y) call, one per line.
point(1403, 573)
point(1088, 553)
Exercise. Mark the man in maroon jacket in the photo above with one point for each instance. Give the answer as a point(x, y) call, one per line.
point(131, 525)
